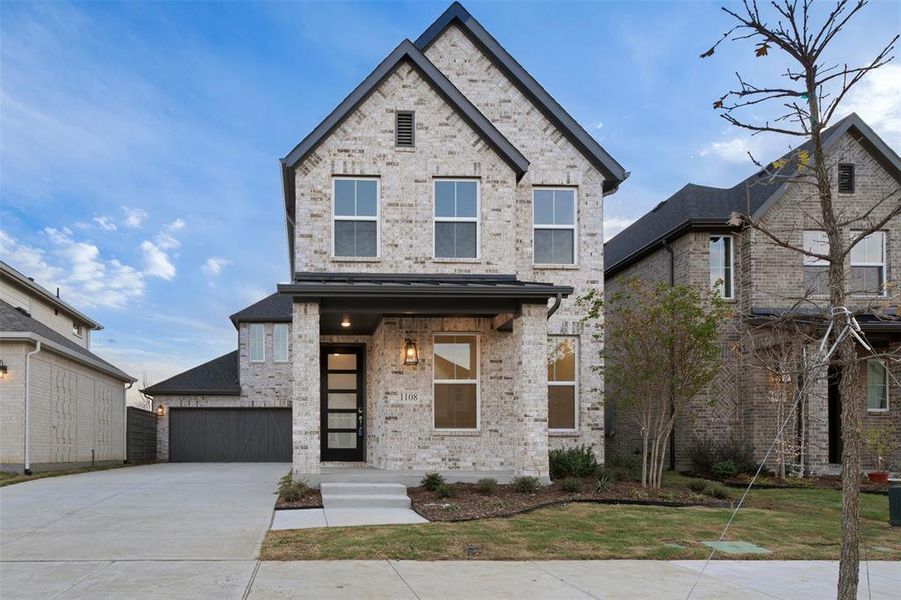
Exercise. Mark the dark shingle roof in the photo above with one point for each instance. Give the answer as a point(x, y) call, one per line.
point(14, 320)
point(275, 308)
point(700, 206)
point(217, 377)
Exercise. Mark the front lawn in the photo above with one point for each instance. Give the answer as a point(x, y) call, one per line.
point(793, 524)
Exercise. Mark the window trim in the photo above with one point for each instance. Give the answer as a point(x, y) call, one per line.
point(838, 179)
point(574, 227)
point(377, 218)
point(731, 281)
point(884, 265)
point(477, 219)
point(476, 381)
point(256, 327)
point(885, 382)
point(287, 328)
point(574, 384)
point(810, 261)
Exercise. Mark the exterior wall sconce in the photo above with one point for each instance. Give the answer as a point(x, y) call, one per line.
point(345, 322)
point(160, 410)
point(411, 352)
point(3, 370)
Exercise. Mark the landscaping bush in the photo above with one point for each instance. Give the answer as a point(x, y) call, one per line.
point(573, 485)
point(486, 486)
point(526, 484)
point(707, 454)
point(697, 485)
point(716, 490)
point(725, 469)
point(602, 484)
point(572, 462)
point(290, 490)
point(703, 453)
point(621, 468)
point(432, 481)
point(739, 452)
point(445, 490)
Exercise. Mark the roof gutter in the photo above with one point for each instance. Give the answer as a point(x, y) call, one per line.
point(27, 336)
point(27, 436)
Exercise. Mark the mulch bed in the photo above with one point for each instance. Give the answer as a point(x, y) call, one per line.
point(313, 499)
point(468, 504)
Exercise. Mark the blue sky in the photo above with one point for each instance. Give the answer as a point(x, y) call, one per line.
point(139, 141)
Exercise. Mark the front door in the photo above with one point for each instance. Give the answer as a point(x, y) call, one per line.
point(343, 403)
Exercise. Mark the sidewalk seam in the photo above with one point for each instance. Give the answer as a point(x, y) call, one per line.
point(538, 566)
point(75, 583)
point(409, 587)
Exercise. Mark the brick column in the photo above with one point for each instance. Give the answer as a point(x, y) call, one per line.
point(305, 397)
point(530, 391)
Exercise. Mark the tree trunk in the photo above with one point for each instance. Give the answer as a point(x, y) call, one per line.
point(849, 555)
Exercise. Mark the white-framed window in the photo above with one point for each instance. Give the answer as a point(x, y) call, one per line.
point(280, 332)
point(554, 221)
point(721, 265)
point(257, 343)
point(877, 386)
point(355, 210)
point(562, 384)
point(868, 265)
point(456, 216)
point(77, 329)
point(816, 270)
point(455, 379)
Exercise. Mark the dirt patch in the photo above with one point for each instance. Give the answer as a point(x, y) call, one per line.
point(312, 499)
point(468, 503)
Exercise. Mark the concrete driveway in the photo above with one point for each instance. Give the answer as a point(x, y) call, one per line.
point(166, 530)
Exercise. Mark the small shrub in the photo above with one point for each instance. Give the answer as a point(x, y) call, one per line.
point(573, 485)
point(445, 490)
point(572, 462)
point(526, 484)
point(432, 481)
point(486, 486)
point(697, 485)
point(725, 469)
point(452, 508)
point(290, 490)
point(716, 490)
point(602, 484)
point(638, 494)
point(707, 453)
point(623, 468)
point(739, 452)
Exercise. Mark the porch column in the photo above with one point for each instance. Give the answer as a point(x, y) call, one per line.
point(530, 391)
point(305, 396)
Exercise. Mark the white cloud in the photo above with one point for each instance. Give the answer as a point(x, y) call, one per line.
point(166, 240)
point(877, 99)
point(105, 223)
point(134, 217)
point(734, 150)
point(85, 277)
point(613, 225)
point(156, 262)
point(214, 265)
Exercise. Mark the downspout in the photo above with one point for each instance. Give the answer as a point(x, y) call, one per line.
point(37, 348)
point(556, 305)
point(672, 403)
point(125, 424)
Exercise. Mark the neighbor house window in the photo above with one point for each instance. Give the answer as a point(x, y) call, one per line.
point(846, 179)
point(816, 270)
point(868, 265)
point(404, 129)
point(456, 381)
point(257, 343)
point(456, 218)
point(280, 342)
point(721, 264)
point(554, 220)
point(356, 217)
point(877, 385)
point(562, 399)
point(77, 330)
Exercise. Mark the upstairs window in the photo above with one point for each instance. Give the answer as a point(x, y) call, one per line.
point(868, 265)
point(562, 399)
point(721, 264)
point(554, 219)
point(816, 270)
point(77, 329)
point(280, 342)
point(257, 343)
point(456, 218)
point(404, 129)
point(877, 386)
point(845, 179)
point(356, 218)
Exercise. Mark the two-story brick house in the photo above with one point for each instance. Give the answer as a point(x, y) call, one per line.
point(441, 221)
point(688, 240)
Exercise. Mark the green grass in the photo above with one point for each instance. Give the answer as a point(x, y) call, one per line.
point(793, 524)
point(13, 478)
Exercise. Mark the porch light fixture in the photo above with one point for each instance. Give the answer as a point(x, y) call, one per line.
point(411, 352)
point(3, 370)
point(160, 410)
point(345, 322)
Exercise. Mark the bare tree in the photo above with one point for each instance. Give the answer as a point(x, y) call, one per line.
point(806, 97)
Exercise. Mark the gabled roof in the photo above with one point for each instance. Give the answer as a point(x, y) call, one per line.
point(275, 308)
point(218, 377)
point(704, 207)
point(45, 294)
point(15, 323)
point(614, 174)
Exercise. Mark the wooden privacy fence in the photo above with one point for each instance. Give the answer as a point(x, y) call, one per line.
point(140, 435)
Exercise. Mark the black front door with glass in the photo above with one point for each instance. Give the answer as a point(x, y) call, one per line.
point(342, 374)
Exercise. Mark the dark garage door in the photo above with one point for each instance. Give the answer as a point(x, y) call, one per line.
point(230, 435)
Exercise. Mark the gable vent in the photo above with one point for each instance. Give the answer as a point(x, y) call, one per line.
point(404, 128)
point(846, 179)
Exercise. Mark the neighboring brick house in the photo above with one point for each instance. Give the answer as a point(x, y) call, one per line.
point(687, 240)
point(62, 405)
point(440, 223)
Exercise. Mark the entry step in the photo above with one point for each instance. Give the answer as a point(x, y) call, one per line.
point(365, 501)
point(362, 489)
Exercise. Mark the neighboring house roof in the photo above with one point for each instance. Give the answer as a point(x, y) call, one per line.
point(887, 321)
point(614, 173)
point(46, 295)
point(15, 323)
point(275, 308)
point(704, 207)
point(218, 377)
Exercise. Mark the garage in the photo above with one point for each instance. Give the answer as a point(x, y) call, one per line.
point(230, 434)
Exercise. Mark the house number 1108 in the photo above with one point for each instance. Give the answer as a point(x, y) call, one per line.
point(409, 396)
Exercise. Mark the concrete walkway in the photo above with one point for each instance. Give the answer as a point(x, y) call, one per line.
point(349, 504)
